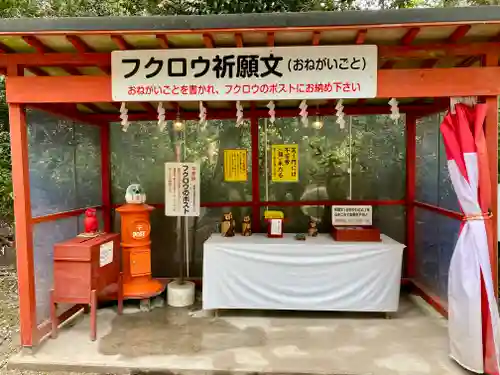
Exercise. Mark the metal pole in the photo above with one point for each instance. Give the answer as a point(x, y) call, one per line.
point(186, 219)
point(266, 168)
point(350, 157)
point(179, 219)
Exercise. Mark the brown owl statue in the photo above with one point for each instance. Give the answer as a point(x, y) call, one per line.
point(313, 228)
point(227, 225)
point(246, 226)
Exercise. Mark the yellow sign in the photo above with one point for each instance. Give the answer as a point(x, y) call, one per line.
point(285, 159)
point(235, 165)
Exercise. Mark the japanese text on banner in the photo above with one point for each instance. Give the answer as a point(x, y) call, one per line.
point(235, 165)
point(285, 163)
point(182, 189)
point(254, 73)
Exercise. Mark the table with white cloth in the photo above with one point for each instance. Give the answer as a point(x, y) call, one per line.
point(257, 272)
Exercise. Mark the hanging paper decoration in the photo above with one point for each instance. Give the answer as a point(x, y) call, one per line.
point(162, 123)
point(395, 115)
point(272, 112)
point(339, 107)
point(470, 101)
point(303, 113)
point(203, 115)
point(124, 117)
point(239, 114)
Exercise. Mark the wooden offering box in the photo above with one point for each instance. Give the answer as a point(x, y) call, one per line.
point(356, 234)
point(85, 269)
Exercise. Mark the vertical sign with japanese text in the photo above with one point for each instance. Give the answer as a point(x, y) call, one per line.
point(235, 165)
point(254, 73)
point(285, 163)
point(182, 189)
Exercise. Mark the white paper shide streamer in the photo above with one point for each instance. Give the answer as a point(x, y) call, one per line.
point(339, 107)
point(239, 114)
point(162, 123)
point(395, 115)
point(124, 117)
point(272, 112)
point(470, 101)
point(203, 115)
point(303, 113)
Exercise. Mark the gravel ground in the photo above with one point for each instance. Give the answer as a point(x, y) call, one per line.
point(9, 323)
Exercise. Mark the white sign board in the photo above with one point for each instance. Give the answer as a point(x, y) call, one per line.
point(106, 254)
point(256, 73)
point(352, 215)
point(182, 189)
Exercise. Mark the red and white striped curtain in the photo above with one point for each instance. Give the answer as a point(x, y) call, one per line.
point(473, 320)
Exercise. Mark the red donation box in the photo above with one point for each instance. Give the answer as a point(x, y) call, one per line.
point(86, 269)
point(136, 246)
point(354, 223)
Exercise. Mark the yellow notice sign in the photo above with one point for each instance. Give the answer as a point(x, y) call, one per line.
point(235, 165)
point(285, 163)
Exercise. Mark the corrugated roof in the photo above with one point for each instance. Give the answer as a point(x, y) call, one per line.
point(394, 17)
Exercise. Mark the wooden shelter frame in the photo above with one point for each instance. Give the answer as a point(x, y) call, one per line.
point(74, 94)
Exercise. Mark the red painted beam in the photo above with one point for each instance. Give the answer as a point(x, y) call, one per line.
point(400, 52)
point(439, 210)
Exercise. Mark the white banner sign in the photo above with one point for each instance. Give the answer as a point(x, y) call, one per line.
point(259, 73)
point(182, 189)
point(352, 215)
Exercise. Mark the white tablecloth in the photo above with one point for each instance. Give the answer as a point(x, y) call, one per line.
point(257, 272)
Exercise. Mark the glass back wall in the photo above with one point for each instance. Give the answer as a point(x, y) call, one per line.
point(376, 156)
point(435, 234)
point(65, 174)
point(139, 156)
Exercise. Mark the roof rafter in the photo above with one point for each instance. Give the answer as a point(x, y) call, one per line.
point(361, 36)
point(162, 41)
point(79, 44)
point(455, 36)
point(120, 42)
point(270, 39)
point(316, 38)
point(238, 39)
point(208, 40)
point(37, 44)
point(406, 40)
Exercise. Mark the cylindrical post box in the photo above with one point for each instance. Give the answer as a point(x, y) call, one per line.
point(136, 247)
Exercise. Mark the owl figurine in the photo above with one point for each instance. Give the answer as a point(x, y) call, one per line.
point(135, 194)
point(227, 225)
point(246, 226)
point(90, 222)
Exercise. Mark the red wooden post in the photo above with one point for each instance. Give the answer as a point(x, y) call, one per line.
point(254, 132)
point(105, 177)
point(491, 133)
point(411, 156)
point(24, 230)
